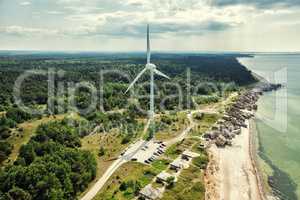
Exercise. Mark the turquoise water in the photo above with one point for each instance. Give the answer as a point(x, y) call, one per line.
point(278, 121)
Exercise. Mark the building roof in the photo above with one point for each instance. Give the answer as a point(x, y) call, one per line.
point(150, 192)
point(190, 154)
point(164, 176)
point(178, 163)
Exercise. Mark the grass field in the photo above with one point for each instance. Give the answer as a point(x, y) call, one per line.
point(176, 149)
point(2, 113)
point(173, 129)
point(188, 187)
point(129, 179)
point(18, 138)
point(204, 124)
point(111, 145)
point(135, 175)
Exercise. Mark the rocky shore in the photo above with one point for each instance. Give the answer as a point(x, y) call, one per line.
point(227, 128)
point(230, 138)
point(235, 116)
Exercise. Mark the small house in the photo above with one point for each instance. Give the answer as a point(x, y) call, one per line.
point(149, 193)
point(177, 165)
point(187, 155)
point(163, 177)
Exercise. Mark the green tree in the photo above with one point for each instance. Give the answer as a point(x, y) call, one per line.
point(170, 181)
point(18, 194)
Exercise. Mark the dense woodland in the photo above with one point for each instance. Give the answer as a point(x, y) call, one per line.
point(218, 69)
point(51, 165)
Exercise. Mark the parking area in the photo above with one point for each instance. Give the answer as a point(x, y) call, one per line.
point(149, 152)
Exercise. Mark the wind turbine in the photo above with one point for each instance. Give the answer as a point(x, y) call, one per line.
point(152, 68)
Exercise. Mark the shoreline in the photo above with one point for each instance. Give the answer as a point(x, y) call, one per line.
point(253, 149)
point(272, 175)
point(228, 178)
point(234, 170)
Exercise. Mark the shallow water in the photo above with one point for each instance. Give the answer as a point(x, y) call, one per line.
point(278, 120)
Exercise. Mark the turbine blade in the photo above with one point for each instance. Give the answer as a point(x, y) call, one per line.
point(136, 79)
point(148, 46)
point(160, 73)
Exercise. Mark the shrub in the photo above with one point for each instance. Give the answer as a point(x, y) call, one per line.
point(18, 194)
point(201, 161)
point(18, 115)
point(123, 186)
point(49, 166)
point(101, 152)
point(125, 139)
point(170, 182)
point(5, 150)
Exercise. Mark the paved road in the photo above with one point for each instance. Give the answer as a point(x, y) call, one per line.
point(130, 153)
point(113, 167)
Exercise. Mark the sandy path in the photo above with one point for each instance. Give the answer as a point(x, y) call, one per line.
point(235, 177)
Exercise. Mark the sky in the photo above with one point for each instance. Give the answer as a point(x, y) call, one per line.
point(176, 25)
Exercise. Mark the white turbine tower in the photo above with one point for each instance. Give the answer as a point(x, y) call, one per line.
point(152, 68)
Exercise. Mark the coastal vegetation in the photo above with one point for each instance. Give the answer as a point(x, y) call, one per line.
point(188, 187)
point(129, 179)
point(59, 152)
point(49, 166)
point(224, 71)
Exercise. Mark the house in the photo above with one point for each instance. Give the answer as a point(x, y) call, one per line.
point(163, 177)
point(187, 155)
point(221, 141)
point(150, 193)
point(177, 164)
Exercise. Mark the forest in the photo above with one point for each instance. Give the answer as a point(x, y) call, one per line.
point(52, 165)
point(204, 69)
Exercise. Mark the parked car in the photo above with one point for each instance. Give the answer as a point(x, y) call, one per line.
point(133, 159)
point(151, 159)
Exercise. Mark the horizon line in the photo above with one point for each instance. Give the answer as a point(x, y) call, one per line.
point(155, 51)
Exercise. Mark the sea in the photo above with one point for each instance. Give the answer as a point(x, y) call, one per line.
point(278, 121)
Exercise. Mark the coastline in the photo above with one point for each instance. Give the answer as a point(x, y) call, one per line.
point(254, 159)
point(227, 178)
point(234, 170)
point(272, 175)
point(262, 178)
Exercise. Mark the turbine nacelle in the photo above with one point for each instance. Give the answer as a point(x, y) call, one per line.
point(150, 66)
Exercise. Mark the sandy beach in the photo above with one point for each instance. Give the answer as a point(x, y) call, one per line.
point(231, 173)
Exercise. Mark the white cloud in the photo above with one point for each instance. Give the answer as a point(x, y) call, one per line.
point(25, 3)
point(26, 31)
point(172, 19)
point(54, 12)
